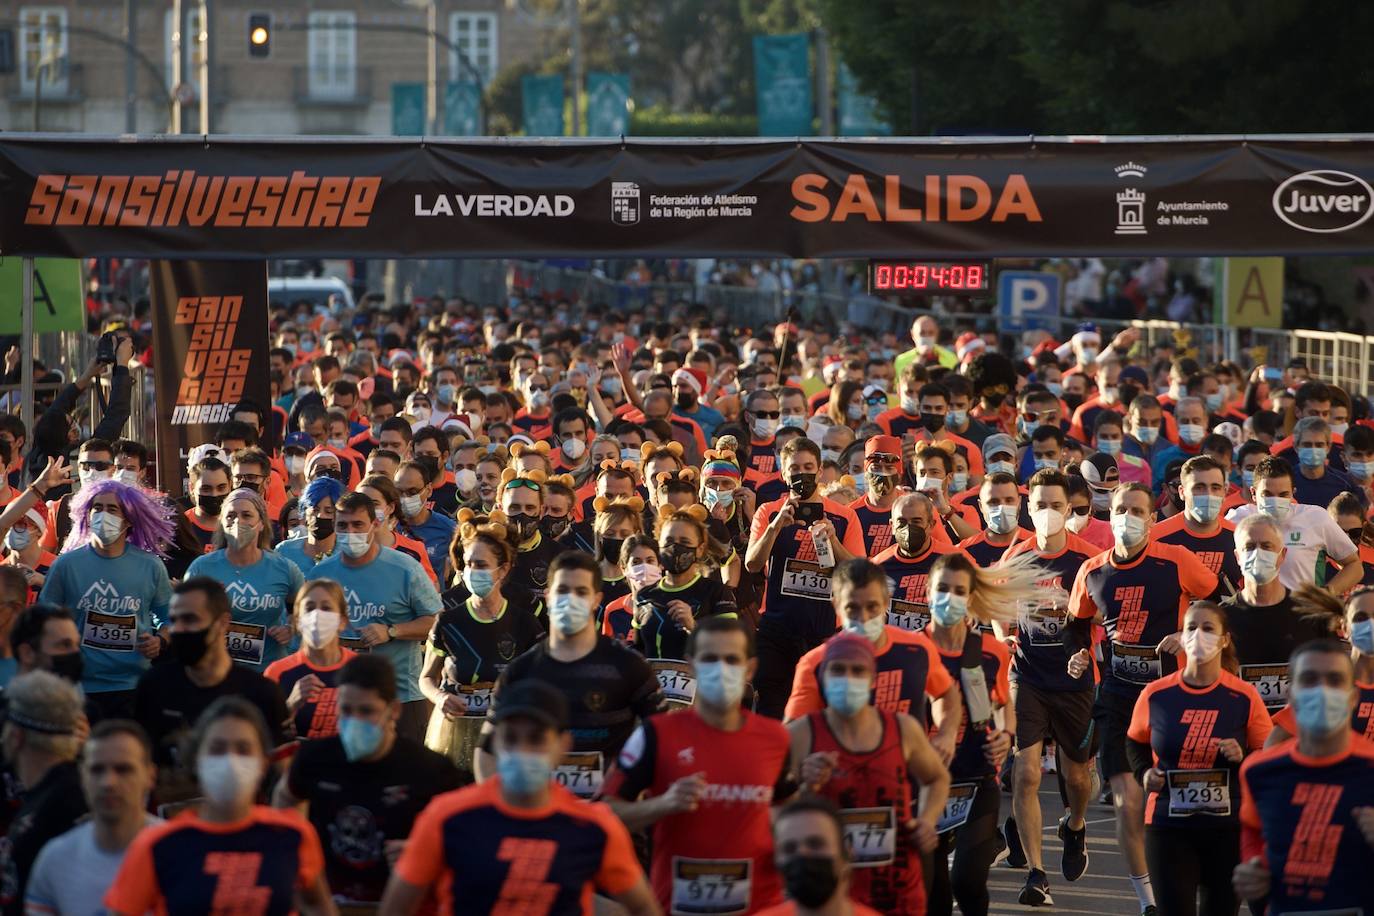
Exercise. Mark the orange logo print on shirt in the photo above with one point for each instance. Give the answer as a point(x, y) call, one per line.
point(1131, 619)
point(1199, 747)
point(1367, 713)
point(880, 537)
point(1313, 854)
point(887, 692)
point(1211, 559)
point(525, 892)
point(237, 892)
point(325, 722)
point(913, 587)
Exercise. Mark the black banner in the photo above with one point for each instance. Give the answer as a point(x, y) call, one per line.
point(233, 198)
point(210, 352)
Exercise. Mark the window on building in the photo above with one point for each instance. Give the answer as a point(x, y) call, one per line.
point(191, 47)
point(43, 42)
point(333, 52)
point(475, 35)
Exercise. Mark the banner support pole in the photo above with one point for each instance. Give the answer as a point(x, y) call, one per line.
point(26, 361)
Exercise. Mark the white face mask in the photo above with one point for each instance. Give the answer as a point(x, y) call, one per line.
point(1128, 530)
point(130, 476)
point(106, 528)
point(17, 539)
point(574, 448)
point(354, 544)
point(1260, 565)
point(228, 778)
point(765, 427)
point(871, 629)
point(86, 476)
point(318, 628)
point(465, 479)
point(1048, 522)
point(1001, 519)
point(411, 506)
point(239, 535)
point(1201, 645)
point(1076, 523)
point(294, 465)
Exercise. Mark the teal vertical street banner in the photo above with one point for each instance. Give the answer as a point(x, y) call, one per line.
point(782, 78)
point(608, 104)
point(541, 105)
point(407, 109)
point(463, 109)
point(859, 115)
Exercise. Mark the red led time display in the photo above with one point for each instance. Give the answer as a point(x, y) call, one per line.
point(932, 276)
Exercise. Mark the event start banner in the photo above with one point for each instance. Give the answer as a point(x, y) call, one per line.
point(387, 198)
point(210, 352)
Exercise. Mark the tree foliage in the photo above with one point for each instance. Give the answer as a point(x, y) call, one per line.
point(1111, 66)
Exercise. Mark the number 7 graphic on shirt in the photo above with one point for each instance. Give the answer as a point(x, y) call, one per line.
point(236, 890)
point(525, 892)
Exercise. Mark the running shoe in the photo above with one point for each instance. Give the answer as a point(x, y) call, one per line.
point(1016, 856)
point(1037, 890)
point(1074, 862)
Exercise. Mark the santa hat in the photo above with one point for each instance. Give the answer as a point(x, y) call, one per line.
point(692, 378)
point(969, 345)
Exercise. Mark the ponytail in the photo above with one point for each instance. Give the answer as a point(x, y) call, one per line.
point(999, 592)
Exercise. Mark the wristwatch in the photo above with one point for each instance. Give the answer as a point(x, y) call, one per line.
point(391, 632)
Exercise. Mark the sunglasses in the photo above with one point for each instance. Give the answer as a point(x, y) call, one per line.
point(96, 465)
point(1081, 510)
point(523, 482)
point(768, 414)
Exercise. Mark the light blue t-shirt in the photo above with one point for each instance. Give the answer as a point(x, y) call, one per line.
point(116, 600)
point(437, 535)
point(294, 550)
point(392, 589)
point(261, 596)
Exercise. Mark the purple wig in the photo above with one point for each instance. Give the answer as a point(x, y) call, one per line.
point(148, 513)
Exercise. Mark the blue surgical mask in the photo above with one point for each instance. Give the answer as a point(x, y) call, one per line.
point(720, 684)
point(1259, 564)
point(360, 737)
point(1276, 507)
point(1322, 710)
point(1361, 470)
point(1362, 636)
point(956, 418)
point(1129, 530)
point(447, 393)
point(1109, 446)
point(1213, 402)
point(948, 608)
point(794, 421)
point(1002, 519)
point(522, 772)
point(1205, 509)
point(1147, 435)
point(846, 695)
point(1191, 433)
point(1042, 464)
point(1248, 478)
point(958, 482)
point(479, 581)
point(1312, 457)
point(871, 629)
point(713, 498)
point(1055, 388)
point(1002, 467)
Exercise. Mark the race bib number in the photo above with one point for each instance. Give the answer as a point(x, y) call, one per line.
point(478, 698)
point(1270, 682)
point(1044, 627)
point(247, 642)
point(710, 887)
point(1135, 664)
point(908, 615)
point(580, 773)
point(1199, 792)
point(805, 580)
point(871, 835)
point(957, 806)
point(110, 632)
point(675, 679)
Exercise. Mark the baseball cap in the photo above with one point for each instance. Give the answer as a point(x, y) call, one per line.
point(1134, 374)
point(883, 445)
point(999, 442)
point(1097, 468)
point(531, 699)
point(300, 440)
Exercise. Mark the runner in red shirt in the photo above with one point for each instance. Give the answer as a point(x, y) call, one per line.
point(708, 776)
point(796, 612)
point(813, 858)
point(519, 842)
point(873, 765)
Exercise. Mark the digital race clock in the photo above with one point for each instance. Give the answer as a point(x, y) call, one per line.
point(927, 276)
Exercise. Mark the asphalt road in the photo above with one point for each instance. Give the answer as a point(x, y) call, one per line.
point(1104, 891)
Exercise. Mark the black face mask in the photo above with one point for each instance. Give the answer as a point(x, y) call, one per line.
point(933, 422)
point(555, 527)
point(810, 880)
point(994, 400)
point(190, 647)
point(686, 400)
point(880, 484)
point(609, 548)
point(321, 528)
point(336, 473)
point(524, 525)
point(803, 486)
point(1072, 400)
point(910, 538)
point(209, 504)
point(677, 558)
point(69, 666)
point(1126, 394)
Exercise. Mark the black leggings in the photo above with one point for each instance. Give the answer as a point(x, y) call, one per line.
point(778, 653)
point(1190, 869)
point(975, 846)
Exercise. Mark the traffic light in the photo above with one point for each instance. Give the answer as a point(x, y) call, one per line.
point(259, 34)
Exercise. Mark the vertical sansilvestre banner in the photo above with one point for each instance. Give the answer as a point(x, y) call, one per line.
point(210, 352)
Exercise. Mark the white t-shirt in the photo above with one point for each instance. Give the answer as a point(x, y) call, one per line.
point(1310, 535)
point(72, 874)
